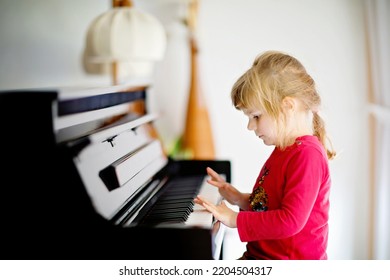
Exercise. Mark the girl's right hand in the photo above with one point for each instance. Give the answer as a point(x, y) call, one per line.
point(227, 191)
point(221, 212)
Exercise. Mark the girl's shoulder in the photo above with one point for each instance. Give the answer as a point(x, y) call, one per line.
point(309, 147)
point(305, 149)
point(309, 142)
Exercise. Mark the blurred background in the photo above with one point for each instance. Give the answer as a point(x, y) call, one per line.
point(344, 45)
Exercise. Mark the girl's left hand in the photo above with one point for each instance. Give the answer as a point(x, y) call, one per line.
point(221, 212)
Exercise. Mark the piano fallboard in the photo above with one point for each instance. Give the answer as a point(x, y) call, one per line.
point(90, 180)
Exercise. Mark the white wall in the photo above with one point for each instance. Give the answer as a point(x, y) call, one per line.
point(42, 41)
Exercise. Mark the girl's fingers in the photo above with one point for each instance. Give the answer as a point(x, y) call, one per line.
point(197, 200)
point(205, 203)
point(215, 183)
point(202, 199)
point(214, 174)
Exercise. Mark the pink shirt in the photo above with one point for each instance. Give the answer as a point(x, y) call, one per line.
point(292, 203)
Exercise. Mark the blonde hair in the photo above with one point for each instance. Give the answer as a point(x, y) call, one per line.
point(272, 77)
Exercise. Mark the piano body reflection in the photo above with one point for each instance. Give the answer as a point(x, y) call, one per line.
point(85, 177)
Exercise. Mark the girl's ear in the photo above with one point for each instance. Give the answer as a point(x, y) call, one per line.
point(289, 104)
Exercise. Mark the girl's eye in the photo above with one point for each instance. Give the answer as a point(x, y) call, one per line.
point(256, 117)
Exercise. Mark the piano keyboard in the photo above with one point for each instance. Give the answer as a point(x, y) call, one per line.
point(175, 204)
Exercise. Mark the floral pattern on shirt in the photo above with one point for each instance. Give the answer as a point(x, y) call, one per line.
point(259, 198)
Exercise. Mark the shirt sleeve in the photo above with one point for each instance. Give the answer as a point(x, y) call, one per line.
point(304, 174)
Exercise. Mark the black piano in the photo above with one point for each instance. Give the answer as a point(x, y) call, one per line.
point(85, 176)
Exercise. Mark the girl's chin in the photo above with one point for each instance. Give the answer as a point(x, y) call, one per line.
point(267, 142)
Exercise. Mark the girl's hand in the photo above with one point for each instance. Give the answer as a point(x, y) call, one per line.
point(221, 212)
point(227, 191)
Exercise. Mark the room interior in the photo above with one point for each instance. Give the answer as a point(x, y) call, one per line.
point(198, 49)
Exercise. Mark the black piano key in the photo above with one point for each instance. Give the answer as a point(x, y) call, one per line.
point(164, 216)
point(171, 211)
point(171, 206)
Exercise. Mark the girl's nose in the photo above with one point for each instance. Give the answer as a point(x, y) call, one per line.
point(251, 125)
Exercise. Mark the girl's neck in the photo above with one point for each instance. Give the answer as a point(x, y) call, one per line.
point(300, 124)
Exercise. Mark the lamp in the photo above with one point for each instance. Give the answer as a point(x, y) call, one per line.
point(124, 39)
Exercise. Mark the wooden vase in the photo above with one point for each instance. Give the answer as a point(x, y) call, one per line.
point(197, 141)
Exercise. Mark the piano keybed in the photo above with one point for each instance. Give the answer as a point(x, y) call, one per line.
point(175, 203)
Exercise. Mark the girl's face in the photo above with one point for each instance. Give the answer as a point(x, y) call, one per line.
point(262, 125)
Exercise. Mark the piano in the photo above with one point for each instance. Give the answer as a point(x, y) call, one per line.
point(84, 176)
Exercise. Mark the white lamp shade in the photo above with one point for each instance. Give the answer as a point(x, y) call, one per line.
point(124, 34)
